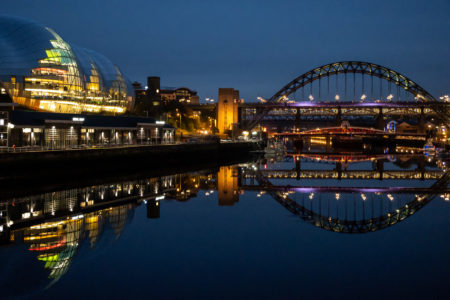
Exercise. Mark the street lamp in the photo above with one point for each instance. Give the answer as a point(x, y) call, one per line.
point(261, 99)
point(179, 115)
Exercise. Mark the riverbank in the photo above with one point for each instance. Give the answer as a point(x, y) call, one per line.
point(32, 170)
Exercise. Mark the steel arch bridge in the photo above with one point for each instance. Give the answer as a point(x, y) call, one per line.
point(352, 67)
point(355, 226)
point(357, 67)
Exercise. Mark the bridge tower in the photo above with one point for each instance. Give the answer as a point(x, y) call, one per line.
point(227, 109)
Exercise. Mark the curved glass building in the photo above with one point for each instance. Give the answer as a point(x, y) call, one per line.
point(41, 71)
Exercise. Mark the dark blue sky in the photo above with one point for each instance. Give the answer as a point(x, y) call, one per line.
point(254, 46)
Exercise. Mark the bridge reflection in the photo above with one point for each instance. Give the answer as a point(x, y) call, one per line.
point(369, 213)
point(54, 225)
point(340, 203)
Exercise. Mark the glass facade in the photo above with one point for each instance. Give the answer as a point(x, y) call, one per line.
point(41, 71)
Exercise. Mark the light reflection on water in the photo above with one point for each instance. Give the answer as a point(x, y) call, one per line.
point(50, 240)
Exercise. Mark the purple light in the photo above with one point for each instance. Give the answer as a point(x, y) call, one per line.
point(341, 104)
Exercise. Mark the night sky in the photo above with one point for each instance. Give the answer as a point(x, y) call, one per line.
point(254, 46)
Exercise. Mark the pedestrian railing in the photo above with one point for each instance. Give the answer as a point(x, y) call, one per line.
point(108, 146)
point(76, 147)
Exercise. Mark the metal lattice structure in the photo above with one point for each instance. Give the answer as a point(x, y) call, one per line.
point(356, 226)
point(353, 67)
point(357, 67)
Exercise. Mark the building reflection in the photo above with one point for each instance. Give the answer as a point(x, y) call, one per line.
point(227, 185)
point(53, 226)
point(56, 243)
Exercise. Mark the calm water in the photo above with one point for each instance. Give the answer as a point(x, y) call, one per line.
point(321, 227)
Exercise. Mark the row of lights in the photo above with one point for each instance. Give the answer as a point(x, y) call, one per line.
point(390, 97)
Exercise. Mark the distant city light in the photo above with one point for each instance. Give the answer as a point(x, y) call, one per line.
point(261, 99)
point(445, 98)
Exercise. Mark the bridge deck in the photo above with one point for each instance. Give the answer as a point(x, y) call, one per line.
point(350, 174)
point(331, 189)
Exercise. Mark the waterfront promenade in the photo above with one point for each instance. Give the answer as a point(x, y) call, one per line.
point(65, 165)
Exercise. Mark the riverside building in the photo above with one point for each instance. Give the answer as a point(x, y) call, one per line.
point(55, 94)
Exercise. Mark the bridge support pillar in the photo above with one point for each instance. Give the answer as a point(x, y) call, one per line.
point(380, 120)
point(378, 165)
point(421, 124)
point(297, 119)
point(339, 117)
point(297, 167)
point(339, 170)
point(421, 167)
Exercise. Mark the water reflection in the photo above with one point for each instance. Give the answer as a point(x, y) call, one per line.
point(339, 193)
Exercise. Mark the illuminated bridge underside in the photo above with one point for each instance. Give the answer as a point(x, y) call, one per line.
point(354, 174)
point(356, 226)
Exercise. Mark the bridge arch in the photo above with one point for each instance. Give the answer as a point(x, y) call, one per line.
point(355, 226)
point(353, 67)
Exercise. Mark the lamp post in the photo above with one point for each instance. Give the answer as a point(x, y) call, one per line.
point(179, 115)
